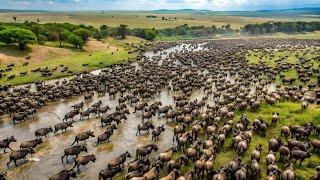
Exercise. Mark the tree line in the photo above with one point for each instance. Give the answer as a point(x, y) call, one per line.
point(281, 27)
point(77, 35)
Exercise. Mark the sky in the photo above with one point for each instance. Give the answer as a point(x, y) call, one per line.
point(217, 5)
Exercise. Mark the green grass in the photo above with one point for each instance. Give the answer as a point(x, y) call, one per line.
point(290, 56)
point(290, 113)
point(74, 61)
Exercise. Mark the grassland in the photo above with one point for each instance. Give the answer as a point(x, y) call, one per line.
point(96, 54)
point(290, 113)
point(290, 56)
point(138, 19)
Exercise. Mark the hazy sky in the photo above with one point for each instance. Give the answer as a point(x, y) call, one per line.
point(156, 4)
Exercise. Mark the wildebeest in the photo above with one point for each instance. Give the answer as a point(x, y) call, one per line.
point(83, 136)
point(19, 117)
point(146, 150)
point(19, 154)
point(64, 175)
point(83, 160)
point(31, 144)
point(145, 127)
point(43, 132)
point(74, 151)
point(62, 126)
point(6, 143)
point(156, 132)
point(70, 115)
point(119, 160)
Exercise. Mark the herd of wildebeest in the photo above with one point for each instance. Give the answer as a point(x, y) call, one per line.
point(229, 84)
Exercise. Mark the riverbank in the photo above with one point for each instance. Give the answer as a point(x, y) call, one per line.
point(66, 61)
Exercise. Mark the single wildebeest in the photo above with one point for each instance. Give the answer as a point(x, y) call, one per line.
point(64, 175)
point(31, 144)
point(146, 150)
point(298, 154)
point(83, 160)
point(19, 117)
point(43, 132)
point(109, 173)
point(78, 106)
point(74, 151)
point(119, 161)
point(86, 113)
point(70, 115)
point(6, 142)
point(62, 126)
point(83, 136)
point(144, 127)
point(106, 135)
point(156, 132)
point(19, 154)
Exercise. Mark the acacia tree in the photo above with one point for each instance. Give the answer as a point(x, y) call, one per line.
point(122, 31)
point(75, 40)
point(20, 36)
point(59, 34)
point(83, 33)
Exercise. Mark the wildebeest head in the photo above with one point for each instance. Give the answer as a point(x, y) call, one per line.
point(128, 154)
point(12, 139)
point(69, 124)
point(90, 133)
point(84, 148)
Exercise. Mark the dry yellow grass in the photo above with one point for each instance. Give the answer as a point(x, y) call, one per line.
point(133, 19)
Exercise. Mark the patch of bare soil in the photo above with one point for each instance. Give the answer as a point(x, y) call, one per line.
point(94, 45)
point(36, 53)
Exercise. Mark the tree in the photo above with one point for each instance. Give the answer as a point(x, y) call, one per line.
point(20, 36)
point(75, 40)
point(150, 34)
point(59, 34)
point(122, 31)
point(83, 33)
point(37, 29)
point(42, 39)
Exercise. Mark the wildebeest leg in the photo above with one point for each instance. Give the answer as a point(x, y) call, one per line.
point(4, 150)
point(63, 157)
point(75, 140)
point(15, 162)
point(9, 162)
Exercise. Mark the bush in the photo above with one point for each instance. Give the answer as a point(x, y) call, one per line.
point(76, 41)
point(42, 39)
point(20, 36)
point(150, 34)
point(83, 33)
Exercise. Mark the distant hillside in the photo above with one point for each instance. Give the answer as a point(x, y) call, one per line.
point(15, 10)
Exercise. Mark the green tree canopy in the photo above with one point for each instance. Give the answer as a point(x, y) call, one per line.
point(122, 31)
point(22, 37)
point(75, 40)
point(83, 33)
point(150, 34)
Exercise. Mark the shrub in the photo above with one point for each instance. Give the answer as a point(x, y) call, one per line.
point(20, 36)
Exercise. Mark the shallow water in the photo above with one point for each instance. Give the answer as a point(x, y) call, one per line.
point(47, 159)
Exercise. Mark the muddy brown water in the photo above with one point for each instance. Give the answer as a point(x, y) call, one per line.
point(47, 159)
